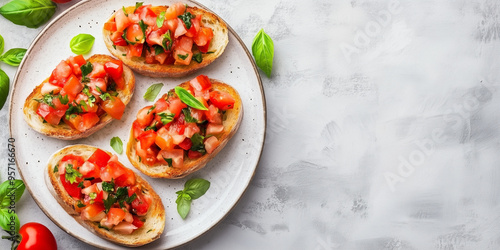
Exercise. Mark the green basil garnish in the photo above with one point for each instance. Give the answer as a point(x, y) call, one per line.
point(4, 87)
point(263, 51)
point(160, 19)
point(29, 13)
point(189, 99)
point(153, 91)
point(81, 43)
point(13, 57)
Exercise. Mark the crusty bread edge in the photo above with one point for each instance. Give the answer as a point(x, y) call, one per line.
point(155, 218)
point(217, 46)
point(64, 131)
point(232, 121)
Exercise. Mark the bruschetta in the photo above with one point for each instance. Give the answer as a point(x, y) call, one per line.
point(80, 97)
point(165, 41)
point(185, 128)
point(104, 196)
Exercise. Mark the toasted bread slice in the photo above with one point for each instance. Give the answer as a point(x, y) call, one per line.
point(231, 121)
point(155, 218)
point(138, 64)
point(64, 131)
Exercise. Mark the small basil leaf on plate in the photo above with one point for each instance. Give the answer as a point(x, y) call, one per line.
point(9, 189)
point(4, 87)
point(29, 13)
point(183, 205)
point(13, 57)
point(263, 51)
point(196, 187)
point(117, 144)
point(153, 91)
point(7, 217)
point(1, 44)
point(81, 43)
point(189, 99)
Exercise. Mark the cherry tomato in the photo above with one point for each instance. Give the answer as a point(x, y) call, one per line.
point(36, 236)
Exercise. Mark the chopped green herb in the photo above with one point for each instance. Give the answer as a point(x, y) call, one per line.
point(198, 144)
point(108, 186)
point(71, 174)
point(158, 49)
point(80, 204)
point(63, 99)
point(80, 185)
point(160, 19)
point(197, 57)
point(166, 118)
point(167, 38)
point(151, 109)
point(93, 195)
point(169, 161)
point(183, 57)
point(124, 11)
point(137, 5)
point(186, 18)
point(56, 168)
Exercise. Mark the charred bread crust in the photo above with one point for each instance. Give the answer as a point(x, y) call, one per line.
point(231, 120)
point(64, 131)
point(138, 64)
point(155, 218)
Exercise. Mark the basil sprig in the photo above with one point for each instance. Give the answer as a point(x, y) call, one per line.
point(189, 99)
point(29, 13)
point(152, 92)
point(193, 189)
point(4, 87)
point(117, 144)
point(263, 51)
point(13, 57)
point(81, 43)
point(8, 189)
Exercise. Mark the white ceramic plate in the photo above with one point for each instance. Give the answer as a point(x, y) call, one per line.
point(229, 173)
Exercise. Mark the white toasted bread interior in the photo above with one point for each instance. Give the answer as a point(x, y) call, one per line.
point(64, 131)
point(138, 64)
point(155, 217)
point(231, 121)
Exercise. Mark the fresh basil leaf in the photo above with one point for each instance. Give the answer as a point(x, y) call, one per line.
point(73, 109)
point(56, 168)
point(189, 99)
point(108, 186)
point(151, 109)
point(47, 99)
point(63, 99)
point(143, 28)
point(152, 127)
point(153, 91)
point(183, 57)
point(2, 43)
point(9, 189)
point(8, 218)
point(198, 57)
point(71, 174)
point(196, 187)
point(13, 57)
point(109, 202)
point(4, 87)
point(166, 118)
point(167, 38)
point(158, 49)
point(80, 185)
point(160, 19)
point(105, 96)
point(117, 144)
point(124, 11)
point(137, 5)
point(186, 18)
point(198, 144)
point(30, 13)
point(81, 43)
point(124, 36)
point(263, 51)
point(86, 69)
point(80, 204)
point(183, 206)
point(188, 117)
point(130, 199)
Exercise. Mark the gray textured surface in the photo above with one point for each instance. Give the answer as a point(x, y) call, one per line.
point(382, 127)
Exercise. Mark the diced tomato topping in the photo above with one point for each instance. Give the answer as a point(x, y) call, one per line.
point(195, 27)
point(137, 128)
point(75, 160)
point(93, 212)
point(186, 144)
point(137, 222)
point(177, 156)
point(115, 69)
point(175, 10)
point(113, 170)
point(134, 50)
point(115, 215)
point(134, 34)
point(145, 116)
point(213, 129)
point(147, 139)
point(73, 86)
point(211, 144)
point(146, 14)
point(204, 48)
point(60, 74)
point(89, 169)
point(161, 105)
point(201, 82)
point(194, 154)
point(213, 115)
point(122, 21)
point(98, 71)
point(190, 129)
point(49, 114)
point(100, 158)
point(176, 106)
point(181, 28)
point(110, 26)
point(182, 57)
point(75, 62)
point(222, 100)
point(72, 189)
point(203, 37)
point(89, 120)
point(163, 140)
point(126, 179)
point(140, 205)
point(161, 58)
point(124, 228)
point(113, 107)
point(87, 106)
point(147, 156)
point(58, 105)
point(117, 39)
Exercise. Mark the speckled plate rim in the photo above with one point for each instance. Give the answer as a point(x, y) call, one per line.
point(19, 70)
